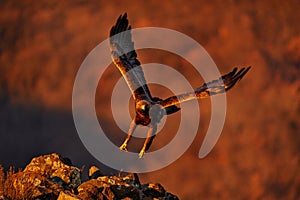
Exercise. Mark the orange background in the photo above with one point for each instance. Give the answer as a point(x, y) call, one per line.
point(43, 43)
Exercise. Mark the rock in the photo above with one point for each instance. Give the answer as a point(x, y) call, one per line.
point(30, 185)
point(59, 181)
point(116, 187)
point(53, 165)
point(94, 172)
point(132, 178)
point(121, 191)
point(90, 190)
point(153, 190)
point(53, 177)
point(67, 196)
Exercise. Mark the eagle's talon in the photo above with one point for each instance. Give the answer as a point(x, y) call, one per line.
point(123, 147)
point(141, 154)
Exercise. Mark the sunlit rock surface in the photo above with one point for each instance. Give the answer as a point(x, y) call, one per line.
point(54, 177)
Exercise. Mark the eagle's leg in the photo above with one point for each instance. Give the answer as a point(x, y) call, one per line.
point(130, 131)
point(149, 139)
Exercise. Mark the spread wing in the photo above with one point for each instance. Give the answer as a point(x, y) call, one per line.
point(223, 84)
point(125, 58)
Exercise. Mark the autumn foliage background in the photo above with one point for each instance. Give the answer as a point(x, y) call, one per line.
point(43, 43)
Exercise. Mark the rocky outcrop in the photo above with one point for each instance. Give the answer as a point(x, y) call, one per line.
point(54, 177)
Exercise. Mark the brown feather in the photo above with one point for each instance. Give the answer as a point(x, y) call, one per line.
point(125, 58)
point(221, 85)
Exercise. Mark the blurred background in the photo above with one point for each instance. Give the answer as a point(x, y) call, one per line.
point(43, 44)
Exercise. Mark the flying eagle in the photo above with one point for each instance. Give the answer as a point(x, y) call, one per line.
point(150, 110)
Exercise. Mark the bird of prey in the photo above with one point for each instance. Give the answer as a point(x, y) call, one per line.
point(150, 110)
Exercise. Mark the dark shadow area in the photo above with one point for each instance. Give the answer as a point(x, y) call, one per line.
point(29, 131)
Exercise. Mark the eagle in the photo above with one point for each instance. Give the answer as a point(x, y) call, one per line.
point(150, 110)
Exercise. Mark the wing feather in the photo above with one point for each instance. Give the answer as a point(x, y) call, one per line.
point(125, 58)
point(221, 85)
